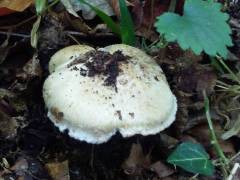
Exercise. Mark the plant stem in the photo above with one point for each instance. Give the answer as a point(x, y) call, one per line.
point(14, 34)
point(172, 6)
point(223, 160)
point(228, 69)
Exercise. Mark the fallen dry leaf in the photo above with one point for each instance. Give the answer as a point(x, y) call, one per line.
point(5, 11)
point(167, 141)
point(25, 168)
point(29, 72)
point(161, 169)
point(20, 167)
point(196, 78)
point(202, 134)
point(87, 12)
point(51, 34)
point(8, 126)
point(145, 13)
point(35, 168)
point(31, 69)
point(11, 106)
point(5, 95)
point(115, 6)
point(16, 5)
point(227, 106)
point(234, 130)
point(77, 23)
point(58, 170)
point(136, 161)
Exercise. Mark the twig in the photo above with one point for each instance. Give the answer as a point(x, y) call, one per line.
point(69, 33)
point(15, 34)
point(233, 109)
point(233, 171)
point(80, 34)
point(73, 38)
point(235, 156)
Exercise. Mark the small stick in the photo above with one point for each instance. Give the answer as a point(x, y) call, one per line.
point(69, 33)
point(14, 34)
point(80, 34)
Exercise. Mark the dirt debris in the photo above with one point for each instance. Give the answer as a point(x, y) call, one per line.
point(100, 63)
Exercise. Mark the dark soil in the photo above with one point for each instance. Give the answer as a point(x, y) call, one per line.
point(101, 62)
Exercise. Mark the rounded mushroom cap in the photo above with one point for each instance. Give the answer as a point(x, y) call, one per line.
point(141, 101)
point(66, 55)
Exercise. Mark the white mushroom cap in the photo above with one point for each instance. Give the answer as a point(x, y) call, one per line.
point(93, 112)
point(67, 54)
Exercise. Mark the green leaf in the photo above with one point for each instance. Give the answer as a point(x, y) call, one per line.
point(40, 6)
point(193, 158)
point(202, 27)
point(127, 27)
point(105, 18)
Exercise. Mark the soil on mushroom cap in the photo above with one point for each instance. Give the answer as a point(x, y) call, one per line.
point(101, 62)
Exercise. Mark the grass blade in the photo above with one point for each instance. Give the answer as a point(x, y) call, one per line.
point(105, 18)
point(127, 26)
point(40, 6)
point(34, 32)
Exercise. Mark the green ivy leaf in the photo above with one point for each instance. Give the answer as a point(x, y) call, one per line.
point(202, 27)
point(193, 158)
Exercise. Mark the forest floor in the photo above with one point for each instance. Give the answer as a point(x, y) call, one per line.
point(31, 147)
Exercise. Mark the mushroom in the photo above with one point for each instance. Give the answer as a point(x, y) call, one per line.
point(95, 93)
